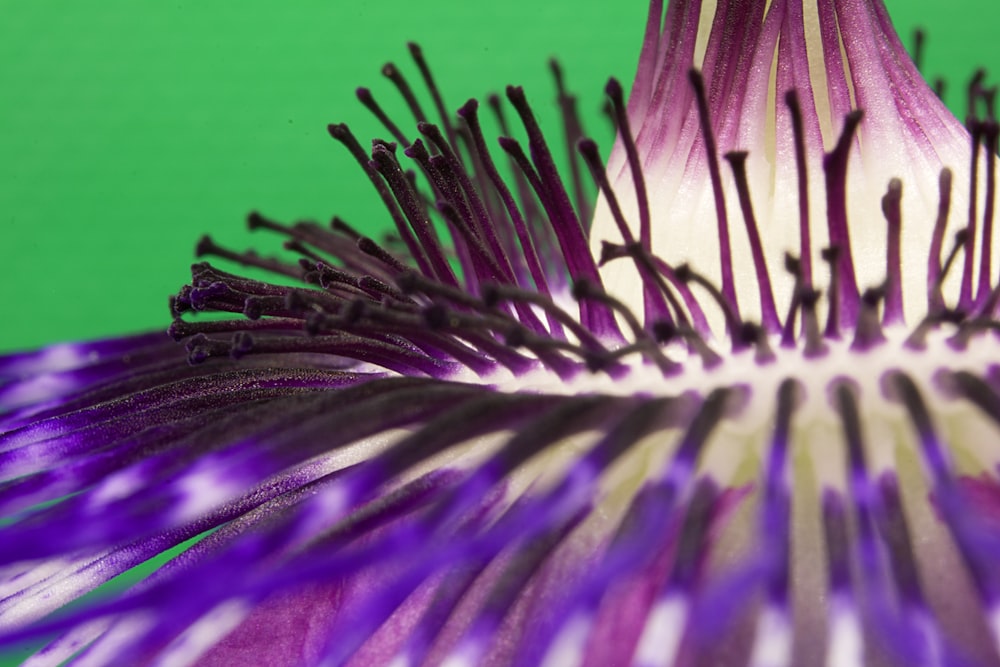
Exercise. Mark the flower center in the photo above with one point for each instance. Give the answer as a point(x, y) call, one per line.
point(874, 205)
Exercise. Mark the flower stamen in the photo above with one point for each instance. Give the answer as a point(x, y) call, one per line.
point(722, 220)
point(769, 313)
point(842, 268)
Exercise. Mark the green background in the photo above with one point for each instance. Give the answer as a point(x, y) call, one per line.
point(128, 129)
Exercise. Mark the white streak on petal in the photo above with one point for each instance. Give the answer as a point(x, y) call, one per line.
point(567, 648)
point(64, 356)
point(108, 648)
point(206, 488)
point(773, 641)
point(466, 655)
point(845, 647)
point(44, 586)
point(401, 660)
point(928, 629)
point(203, 634)
point(36, 390)
point(66, 646)
point(661, 637)
point(994, 623)
point(327, 506)
point(118, 486)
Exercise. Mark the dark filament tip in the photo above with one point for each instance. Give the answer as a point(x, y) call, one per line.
point(893, 262)
point(805, 243)
point(835, 172)
point(725, 251)
point(737, 160)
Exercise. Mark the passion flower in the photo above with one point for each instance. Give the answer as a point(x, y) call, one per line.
point(738, 415)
